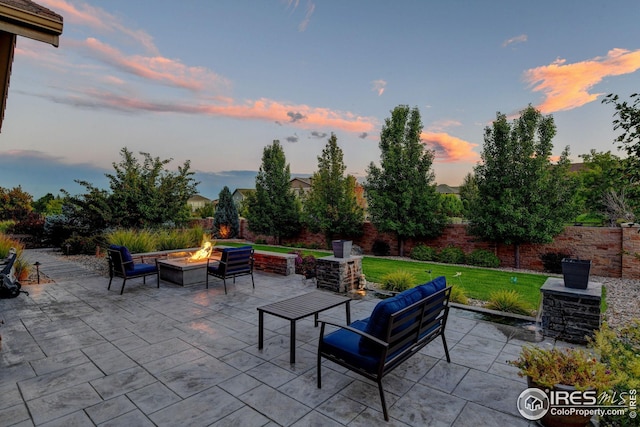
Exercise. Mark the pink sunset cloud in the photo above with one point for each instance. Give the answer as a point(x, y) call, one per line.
point(567, 86)
point(449, 148)
point(96, 18)
point(158, 68)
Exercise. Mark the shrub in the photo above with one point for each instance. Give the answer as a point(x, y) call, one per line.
point(451, 255)
point(380, 248)
point(22, 268)
point(552, 261)
point(177, 239)
point(398, 281)
point(136, 241)
point(619, 352)
point(424, 253)
point(82, 245)
point(6, 243)
point(57, 229)
point(508, 301)
point(458, 295)
point(483, 258)
point(6, 225)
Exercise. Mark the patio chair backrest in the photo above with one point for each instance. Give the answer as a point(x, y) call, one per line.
point(236, 260)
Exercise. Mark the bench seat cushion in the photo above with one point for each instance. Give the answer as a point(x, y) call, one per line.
point(142, 269)
point(345, 345)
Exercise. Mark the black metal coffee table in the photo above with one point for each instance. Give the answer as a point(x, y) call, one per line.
point(297, 308)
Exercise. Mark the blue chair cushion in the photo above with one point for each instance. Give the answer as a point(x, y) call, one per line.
point(379, 321)
point(126, 257)
point(430, 288)
point(345, 345)
point(142, 269)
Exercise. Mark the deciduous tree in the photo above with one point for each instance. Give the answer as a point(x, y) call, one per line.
point(330, 206)
point(401, 192)
point(273, 209)
point(522, 197)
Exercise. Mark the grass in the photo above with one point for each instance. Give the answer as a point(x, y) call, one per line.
point(478, 283)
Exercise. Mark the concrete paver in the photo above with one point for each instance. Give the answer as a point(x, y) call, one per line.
point(74, 353)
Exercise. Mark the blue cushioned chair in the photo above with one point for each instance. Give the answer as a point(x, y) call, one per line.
point(233, 262)
point(397, 328)
point(121, 265)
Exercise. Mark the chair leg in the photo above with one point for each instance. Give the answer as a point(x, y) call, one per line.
point(384, 403)
point(123, 282)
point(207, 281)
point(252, 282)
point(446, 349)
point(319, 371)
point(158, 279)
point(224, 280)
point(110, 280)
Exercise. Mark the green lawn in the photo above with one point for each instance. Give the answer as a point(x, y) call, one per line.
point(477, 282)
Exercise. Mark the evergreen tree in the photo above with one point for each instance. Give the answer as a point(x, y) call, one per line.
point(226, 223)
point(273, 209)
point(522, 197)
point(330, 206)
point(401, 193)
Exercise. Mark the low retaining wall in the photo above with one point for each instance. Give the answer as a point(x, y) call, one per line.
point(269, 262)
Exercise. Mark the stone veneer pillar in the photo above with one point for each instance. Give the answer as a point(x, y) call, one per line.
point(338, 274)
point(570, 314)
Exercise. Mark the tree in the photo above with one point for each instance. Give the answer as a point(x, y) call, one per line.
point(628, 120)
point(273, 209)
point(48, 205)
point(522, 197)
point(401, 193)
point(148, 195)
point(15, 204)
point(331, 206)
point(468, 193)
point(601, 174)
point(142, 195)
point(226, 223)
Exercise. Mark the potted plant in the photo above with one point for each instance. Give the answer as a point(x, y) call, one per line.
point(570, 369)
point(341, 248)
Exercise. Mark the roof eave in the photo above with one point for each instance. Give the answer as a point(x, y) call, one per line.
point(31, 25)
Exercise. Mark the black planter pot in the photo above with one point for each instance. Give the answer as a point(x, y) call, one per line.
point(576, 273)
point(342, 248)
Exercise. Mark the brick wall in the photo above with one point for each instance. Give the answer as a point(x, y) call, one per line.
point(614, 252)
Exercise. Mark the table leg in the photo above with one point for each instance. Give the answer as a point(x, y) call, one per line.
point(260, 328)
point(315, 320)
point(292, 356)
point(348, 308)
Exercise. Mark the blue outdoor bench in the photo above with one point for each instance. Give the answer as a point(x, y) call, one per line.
point(397, 328)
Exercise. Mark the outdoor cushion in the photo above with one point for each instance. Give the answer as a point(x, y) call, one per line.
point(430, 288)
point(127, 259)
point(345, 345)
point(379, 320)
point(142, 269)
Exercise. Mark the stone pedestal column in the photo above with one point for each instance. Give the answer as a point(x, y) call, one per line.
point(570, 314)
point(338, 274)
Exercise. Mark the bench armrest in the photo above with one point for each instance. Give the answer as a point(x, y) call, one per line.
point(355, 331)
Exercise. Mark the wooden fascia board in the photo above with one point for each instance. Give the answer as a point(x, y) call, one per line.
point(30, 25)
point(7, 45)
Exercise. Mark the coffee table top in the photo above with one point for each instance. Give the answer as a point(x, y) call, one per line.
point(304, 305)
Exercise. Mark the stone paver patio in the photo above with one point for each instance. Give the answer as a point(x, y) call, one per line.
point(75, 354)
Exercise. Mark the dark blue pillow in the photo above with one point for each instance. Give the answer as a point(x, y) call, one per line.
point(126, 257)
point(430, 288)
point(379, 320)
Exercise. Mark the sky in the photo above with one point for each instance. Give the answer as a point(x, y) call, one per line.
point(215, 82)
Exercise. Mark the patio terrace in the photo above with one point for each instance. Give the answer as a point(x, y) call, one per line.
point(75, 354)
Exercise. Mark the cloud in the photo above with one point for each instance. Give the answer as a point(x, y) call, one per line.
point(311, 7)
point(378, 86)
point(441, 125)
point(292, 139)
point(295, 117)
point(363, 135)
point(449, 148)
point(318, 135)
point(156, 68)
point(567, 86)
point(96, 18)
point(515, 40)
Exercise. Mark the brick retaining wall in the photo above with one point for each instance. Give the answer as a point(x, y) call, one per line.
point(615, 252)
